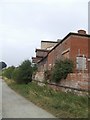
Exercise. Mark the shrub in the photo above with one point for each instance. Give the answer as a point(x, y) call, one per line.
point(16, 75)
point(61, 69)
point(23, 74)
point(8, 72)
point(34, 68)
point(47, 75)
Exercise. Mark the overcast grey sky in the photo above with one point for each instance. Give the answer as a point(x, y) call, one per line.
point(24, 23)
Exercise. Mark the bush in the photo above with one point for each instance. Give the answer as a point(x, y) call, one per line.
point(8, 72)
point(23, 74)
point(16, 75)
point(34, 68)
point(47, 75)
point(61, 69)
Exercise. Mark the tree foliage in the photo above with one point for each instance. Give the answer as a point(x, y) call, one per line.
point(47, 75)
point(16, 75)
point(34, 66)
point(61, 69)
point(25, 72)
point(8, 72)
point(21, 74)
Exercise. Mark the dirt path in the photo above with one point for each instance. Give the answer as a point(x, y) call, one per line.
point(15, 106)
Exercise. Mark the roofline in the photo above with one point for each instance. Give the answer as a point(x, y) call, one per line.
point(49, 41)
point(44, 50)
point(39, 56)
point(71, 33)
point(42, 59)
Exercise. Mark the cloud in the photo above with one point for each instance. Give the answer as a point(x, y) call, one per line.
point(24, 23)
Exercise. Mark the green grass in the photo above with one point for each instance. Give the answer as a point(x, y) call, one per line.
point(0, 73)
point(60, 104)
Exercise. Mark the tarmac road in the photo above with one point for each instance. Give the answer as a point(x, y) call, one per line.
point(15, 106)
point(0, 99)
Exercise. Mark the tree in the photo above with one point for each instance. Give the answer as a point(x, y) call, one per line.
point(16, 75)
point(23, 74)
point(8, 72)
point(34, 67)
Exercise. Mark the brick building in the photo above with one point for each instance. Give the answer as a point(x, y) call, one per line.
point(74, 46)
point(46, 46)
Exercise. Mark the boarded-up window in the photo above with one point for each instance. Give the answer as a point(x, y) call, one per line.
point(81, 63)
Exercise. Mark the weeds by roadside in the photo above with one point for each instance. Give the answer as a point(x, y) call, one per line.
point(60, 104)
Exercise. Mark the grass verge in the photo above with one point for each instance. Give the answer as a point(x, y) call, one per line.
point(60, 104)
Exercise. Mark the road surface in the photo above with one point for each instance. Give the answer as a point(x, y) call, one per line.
point(0, 99)
point(15, 106)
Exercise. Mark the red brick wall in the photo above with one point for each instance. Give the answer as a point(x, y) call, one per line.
point(42, 66)
point(72, 82)
point(51, 58)
point(57, 52)
point(74, 43)
point(78, 43)
point(77, 80)
point(89, 55)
